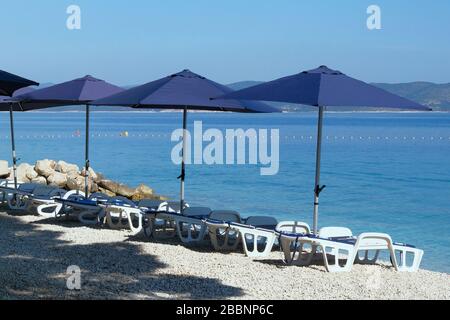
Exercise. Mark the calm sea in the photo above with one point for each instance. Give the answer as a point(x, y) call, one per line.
point(385, 172)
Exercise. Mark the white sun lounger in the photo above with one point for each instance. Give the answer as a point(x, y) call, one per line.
point(28, 197)
point(258, 233)
point(6, 186)
point(340, 249)
point(122, 213)
point(53, 208)
point(189, 225)
point(17, 198)
point(88, 211)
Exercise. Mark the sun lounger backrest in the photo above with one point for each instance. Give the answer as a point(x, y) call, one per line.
point(151, 204)
point(294, 227)
point(28, 187)
point(123, 200)
point(197, 211)
point(174, 206)
point(258, 221)
point(99, 196)
point(57, 193)
point(335, 232)
point(8, 183)
point(42, 191)
point(226, 215)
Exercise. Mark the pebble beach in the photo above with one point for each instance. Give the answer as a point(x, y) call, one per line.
point(35, 253)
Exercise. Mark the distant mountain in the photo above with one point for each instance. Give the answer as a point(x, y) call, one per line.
point(436, 96)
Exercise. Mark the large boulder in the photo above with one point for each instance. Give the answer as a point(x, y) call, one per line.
point(92, 174)
point(57, 179)
point(40, 180)
point(117, 188)
point(142, 192)
point(45, 167)
point(106, 191)
point(4, 169)
point(65, 167)
point(77, 182)
point(31, 173)
point(22, 170)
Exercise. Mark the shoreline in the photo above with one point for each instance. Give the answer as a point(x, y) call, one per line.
point(36, 252)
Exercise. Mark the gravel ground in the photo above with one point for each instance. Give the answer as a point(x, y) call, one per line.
point(35, 254)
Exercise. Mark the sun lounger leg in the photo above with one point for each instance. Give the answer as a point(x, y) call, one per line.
point(230, 237)
point(295, 253)
point(132, 217)
point(335, 252)
point(49, 210)
point(366, 259)
point(401, 264)
point(91, 217)
point(250, 241)
point(185, 231)
point(122, 219)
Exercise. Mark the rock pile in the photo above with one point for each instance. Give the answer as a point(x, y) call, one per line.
point(69, 176)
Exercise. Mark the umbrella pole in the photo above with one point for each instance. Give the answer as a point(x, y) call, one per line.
point(87, 164)
point(183, 161)
point(318, 188)
point(13, 145)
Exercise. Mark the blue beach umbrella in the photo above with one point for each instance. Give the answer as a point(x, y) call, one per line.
point(79, 91)
point(320, 88)
point(10, 83)
point(183, 91)
point(7, 105)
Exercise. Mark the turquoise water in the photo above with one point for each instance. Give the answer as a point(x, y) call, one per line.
point(386, 172)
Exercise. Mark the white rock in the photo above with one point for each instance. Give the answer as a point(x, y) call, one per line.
point(92, 173)
point(22, 170)
point(45, 167)
point(65, 167)
point(4, 169)
point(31, 173)
point(57, 179)
point(40, 180)
point(75, 182)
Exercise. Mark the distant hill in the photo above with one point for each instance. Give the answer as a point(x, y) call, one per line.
point(436, 96)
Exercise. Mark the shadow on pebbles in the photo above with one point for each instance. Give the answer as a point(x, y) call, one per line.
point(35, 255)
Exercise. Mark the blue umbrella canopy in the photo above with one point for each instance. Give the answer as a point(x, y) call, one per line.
point(6, 103)
point(182, 90)
point(75, 92)
point(9, 83)
point(323, 87)
point(186, 91)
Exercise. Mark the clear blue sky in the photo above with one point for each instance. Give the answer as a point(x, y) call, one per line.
point(135, 41)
